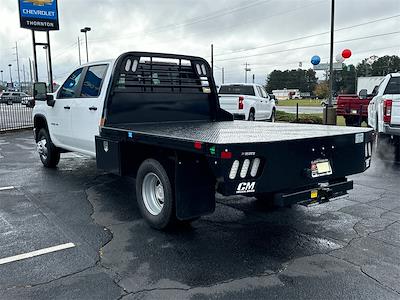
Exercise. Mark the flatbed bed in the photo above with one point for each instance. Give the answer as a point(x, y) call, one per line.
point(162, 120)
point(232, 132)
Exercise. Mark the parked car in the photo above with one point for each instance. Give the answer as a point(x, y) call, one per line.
point(12, 97)
point(354, 108)
point(163, 125)
point(324, 102)
point(384, 115)
point(247, 102)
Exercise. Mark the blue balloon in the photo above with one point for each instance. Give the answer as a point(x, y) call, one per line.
point(315, 60)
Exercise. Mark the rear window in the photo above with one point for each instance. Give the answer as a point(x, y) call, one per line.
point(393, 86)
point(237, 90)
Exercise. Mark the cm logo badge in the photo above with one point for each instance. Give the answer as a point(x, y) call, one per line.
point(246, 187)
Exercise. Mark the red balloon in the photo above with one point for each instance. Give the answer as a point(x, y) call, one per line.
point(346, 53)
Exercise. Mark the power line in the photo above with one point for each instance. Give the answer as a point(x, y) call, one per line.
point(309, 46)
point(309, 36)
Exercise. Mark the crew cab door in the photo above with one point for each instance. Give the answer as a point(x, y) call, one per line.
point(88, 108)
point(262, 104)
point(59, 116)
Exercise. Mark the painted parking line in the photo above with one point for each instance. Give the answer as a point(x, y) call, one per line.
point(6, 188)
point(7, 260)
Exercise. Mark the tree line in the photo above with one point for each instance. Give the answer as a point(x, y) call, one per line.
point(345, 80)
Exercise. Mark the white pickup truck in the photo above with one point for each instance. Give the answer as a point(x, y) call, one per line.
point(384, 114)
point(156, 117)
point(247, 102)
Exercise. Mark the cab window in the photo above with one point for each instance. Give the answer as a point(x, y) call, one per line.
point(71, 85)
point(93, 81)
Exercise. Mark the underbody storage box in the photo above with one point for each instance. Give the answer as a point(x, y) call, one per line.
point(108, 155)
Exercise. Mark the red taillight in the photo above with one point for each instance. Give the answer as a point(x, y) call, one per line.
point(198, 145)
point(226, 155)
point(241, 99)
point(387, 110)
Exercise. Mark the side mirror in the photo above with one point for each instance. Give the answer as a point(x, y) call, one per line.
point(40, 91)
point(363, 94)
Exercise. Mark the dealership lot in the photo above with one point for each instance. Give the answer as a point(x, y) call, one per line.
point(348, 248)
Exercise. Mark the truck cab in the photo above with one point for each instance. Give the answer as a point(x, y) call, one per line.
point(73, 116)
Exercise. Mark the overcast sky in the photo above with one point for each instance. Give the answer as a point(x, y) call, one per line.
point(268, 34)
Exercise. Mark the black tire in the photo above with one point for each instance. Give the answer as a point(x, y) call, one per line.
point(252, 115)
point(167, 216)
point(272, 118)
point(51, 158)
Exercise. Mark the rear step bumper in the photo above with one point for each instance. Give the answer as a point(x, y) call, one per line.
point(318, 194)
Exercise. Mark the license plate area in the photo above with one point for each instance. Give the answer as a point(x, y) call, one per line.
point(321, 167)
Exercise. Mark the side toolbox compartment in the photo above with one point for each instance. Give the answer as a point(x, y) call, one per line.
point(108, 155)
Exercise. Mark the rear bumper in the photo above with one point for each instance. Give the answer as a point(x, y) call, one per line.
point(319, 194)
point(392, 130)
point(238, 116)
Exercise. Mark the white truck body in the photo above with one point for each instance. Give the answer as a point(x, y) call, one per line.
point(74, 120)
point(384, 108)
point(247, 101)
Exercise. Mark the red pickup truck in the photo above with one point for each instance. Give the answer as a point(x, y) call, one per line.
point(353, 108)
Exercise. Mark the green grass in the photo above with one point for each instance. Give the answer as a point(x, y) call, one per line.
point(301, 102)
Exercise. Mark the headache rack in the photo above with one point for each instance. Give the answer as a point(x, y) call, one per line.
point(155, 87)
point(142, 73)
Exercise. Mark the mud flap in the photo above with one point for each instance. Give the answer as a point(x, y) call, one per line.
point(194, 187)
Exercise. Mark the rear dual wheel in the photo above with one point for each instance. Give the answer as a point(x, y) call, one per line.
point(155, 195)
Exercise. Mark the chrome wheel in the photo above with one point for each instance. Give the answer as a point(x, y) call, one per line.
point(153, 194)
point(41, 147)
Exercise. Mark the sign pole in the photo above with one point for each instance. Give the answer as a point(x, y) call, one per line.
point(35, 72)
point(50, 65)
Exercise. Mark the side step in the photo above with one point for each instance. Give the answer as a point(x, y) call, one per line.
point(320, 194)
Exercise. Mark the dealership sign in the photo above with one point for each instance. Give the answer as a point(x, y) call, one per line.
point(38, 14)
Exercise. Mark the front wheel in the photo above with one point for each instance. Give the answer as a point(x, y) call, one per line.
point(252, 115)
point(273, 116)
point(154, 194)
point(49, 154)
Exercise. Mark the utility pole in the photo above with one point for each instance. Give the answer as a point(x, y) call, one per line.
point(254, 78)
point(23, 73)
point(79, 51)
point(329, 117)
point(30, 70)
point(9, 65)
point(19, 75)
point(2, 79)
point(246, 69)
point(331, 54)
point(212, 59)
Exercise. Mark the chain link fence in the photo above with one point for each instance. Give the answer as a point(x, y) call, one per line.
point(15, 114)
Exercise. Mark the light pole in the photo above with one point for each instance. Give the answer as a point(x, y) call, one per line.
point(2, 79)
point(10, 74)
point(85, 31)
point(47, 65)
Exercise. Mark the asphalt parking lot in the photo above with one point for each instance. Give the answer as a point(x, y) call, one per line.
point(348, 248)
